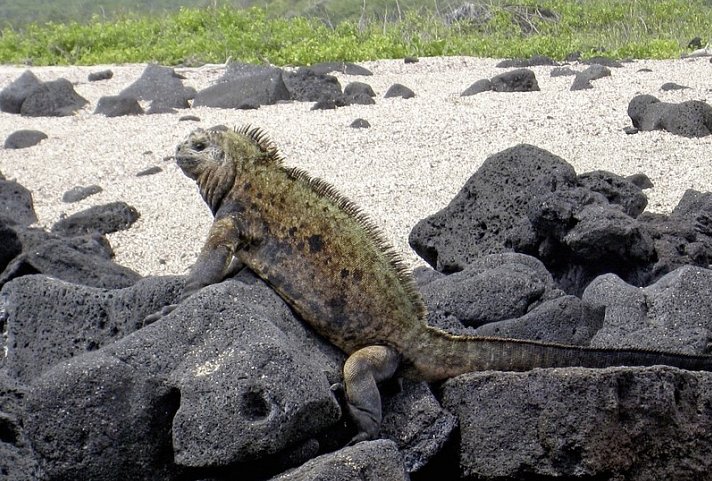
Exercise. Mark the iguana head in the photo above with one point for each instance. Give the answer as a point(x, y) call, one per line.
point(214, 158)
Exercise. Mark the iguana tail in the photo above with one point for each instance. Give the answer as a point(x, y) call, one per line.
point(439, 355)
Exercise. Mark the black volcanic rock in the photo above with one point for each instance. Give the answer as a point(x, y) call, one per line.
point(507, 295)
point(324, 104)
point(534, 61)
point(368, 461)
point(492, 204)
point(56, 98)
point(692, 118)
point(584, 78)
point(10, 245)
point(84, 318)
point(16, 207)
point(192, 390)
point(360, 124)
point(75, 194)
point(262, 88)
point(519, 80)
point(490, 289)
point(341, 67)
point(162, 86)
point(668, 86)
point(13, 96)
point(399, 90)
point(416, 421)
point(673, 314)
point(17, 461)
point(118, 106)
point(358, 88)
point(562, 72)
point(22, 139)
point(617, 190)
point(82, 260)
point(527, 200)
point(104, 219)
point(482, 85)
point(618, 423)
point(100, 75)
point(305, 85)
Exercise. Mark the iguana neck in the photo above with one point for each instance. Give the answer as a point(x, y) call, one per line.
point(437, 355)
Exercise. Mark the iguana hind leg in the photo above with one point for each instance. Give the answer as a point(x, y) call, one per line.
point(363, 370)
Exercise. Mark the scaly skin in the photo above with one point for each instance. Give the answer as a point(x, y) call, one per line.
point(328, 261)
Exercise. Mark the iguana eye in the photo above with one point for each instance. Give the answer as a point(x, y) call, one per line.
point(199, 145)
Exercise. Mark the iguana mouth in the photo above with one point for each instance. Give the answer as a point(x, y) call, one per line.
point(187, 164)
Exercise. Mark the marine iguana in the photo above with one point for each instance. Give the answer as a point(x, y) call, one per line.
point(329, 262)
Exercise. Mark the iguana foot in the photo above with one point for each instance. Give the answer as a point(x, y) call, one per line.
point(363, 370)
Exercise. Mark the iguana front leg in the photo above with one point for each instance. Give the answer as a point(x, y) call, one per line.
point(215, 262)
point(363, 370)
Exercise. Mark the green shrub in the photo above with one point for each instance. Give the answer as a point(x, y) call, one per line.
point(635, 28)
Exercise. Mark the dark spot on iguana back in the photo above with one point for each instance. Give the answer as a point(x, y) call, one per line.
point(315, 243)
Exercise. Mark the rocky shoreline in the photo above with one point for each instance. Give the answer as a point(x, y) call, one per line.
point(537, 214)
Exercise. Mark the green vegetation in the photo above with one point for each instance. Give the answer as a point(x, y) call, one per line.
point(615, 28)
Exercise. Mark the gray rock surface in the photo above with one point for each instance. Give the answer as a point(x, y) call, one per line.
point(562, 320)
point(228, 377)
point(498, 194)
point(85, 260)
point(99, 75)
point(673, 314)
point(162, 86)
point(492, 288)
point(619, 423)
point(17, 462)
point(617, 190)
point(104, 219)
point(399, 90)
point(519, 80)
point(118, 105)
point(10, 245)
point(305, 85)
point(562, 72)
point(16, 206)
point(507, 295)
point(415, 421)
point(482, 85)
point(75, 194)
point(22, 139)
point(368, 461)
point(527, 200)
point(347, 68)
point(56, 98)
point(691, 118)
point(584, 78)
point(261, 88)
point(13, 96)
point(49, 320)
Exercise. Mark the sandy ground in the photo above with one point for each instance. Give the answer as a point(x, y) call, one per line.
point(409, 164)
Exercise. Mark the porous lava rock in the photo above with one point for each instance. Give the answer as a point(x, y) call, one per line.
point(691, 118)
point(527, 200)
point(161, 86)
